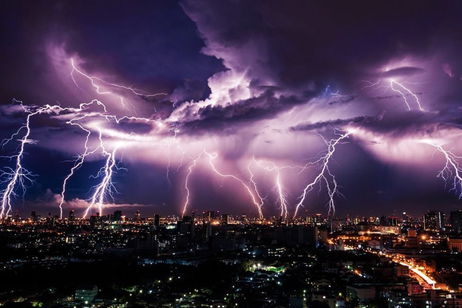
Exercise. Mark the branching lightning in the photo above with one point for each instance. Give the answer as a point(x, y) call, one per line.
point(211, 158)
point(324, 175)
point(398, 87)
point(451, 171)
point(254, 184)
point(77, 164)
point(272, 167)
point(101, 86)
point(17, 176)
point(105, 188)
point(255, 197)
point(405, 92)
point(174, 141)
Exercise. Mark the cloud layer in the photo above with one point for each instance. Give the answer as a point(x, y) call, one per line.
point(243, 80)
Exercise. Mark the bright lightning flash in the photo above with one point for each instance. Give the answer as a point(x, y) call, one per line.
point(211, 158)
point(17, 176)
point(405, 92)
point(105, 188)
point(324, 175)
point(101, 86)
point(186, 184)
point(452, 171)
point(272, 167)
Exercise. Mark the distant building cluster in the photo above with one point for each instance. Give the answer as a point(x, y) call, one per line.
point(220, 260)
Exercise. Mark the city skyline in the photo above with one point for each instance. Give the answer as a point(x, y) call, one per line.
point(231, 153)
point(169, 107)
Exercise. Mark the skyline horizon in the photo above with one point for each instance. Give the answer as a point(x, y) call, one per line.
point(150, 213)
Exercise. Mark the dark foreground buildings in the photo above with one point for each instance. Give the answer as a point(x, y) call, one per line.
point(219, 260)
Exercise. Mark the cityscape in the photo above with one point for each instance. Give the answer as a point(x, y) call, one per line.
point(211, 259)
point(231, 153)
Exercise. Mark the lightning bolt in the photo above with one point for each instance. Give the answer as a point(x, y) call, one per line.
point(272, 167)
point(77, 164)
point(101, 85)
point(106, 187)
point(174, 141)
point(281, 194)
point(405, 92)
point(186, 184)
point(254, 184)
point(451, 168)
point(17, 176)
point(324, 175)
point(211, 158)
point(399, 88)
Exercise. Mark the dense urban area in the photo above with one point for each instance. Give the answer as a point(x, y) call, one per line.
point(219, 260)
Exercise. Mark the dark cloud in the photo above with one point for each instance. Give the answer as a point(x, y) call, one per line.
point(217, 118)
point(151, 45)
point(392, 124)
point(195, 90)
point(412, 123)
point(133, 127)
point(301, 42)
point(330, 124)
point(403, 71)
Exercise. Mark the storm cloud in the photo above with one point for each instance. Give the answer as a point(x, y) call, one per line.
point(191, 84)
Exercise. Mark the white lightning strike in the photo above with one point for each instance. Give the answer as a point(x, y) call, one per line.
point(211, 158)
point(281, 194)
point(405, 92)
point(174, 141)
point(17, 176)
point(399, 88)
point(77, 164)
point(186, 184)
point(451, 168)
point(106, 186)
point(97, 84)
point(254, 184)
point(271, 167)
point(324, 175)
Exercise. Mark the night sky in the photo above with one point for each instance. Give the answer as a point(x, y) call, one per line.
point(231, 106)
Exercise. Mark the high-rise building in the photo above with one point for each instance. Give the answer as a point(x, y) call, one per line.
point(186, 226)
point(94, 219)
point(388, 221)
point(224, 219)
point(455, 218)
point(207, 231)
point(208, 216)
point(411, 238)
point(434, 220)
point(117, 216)
point(71, 215)
point(156, 220)
point(137, 216)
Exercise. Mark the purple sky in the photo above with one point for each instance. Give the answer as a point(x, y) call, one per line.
point(234, 105)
